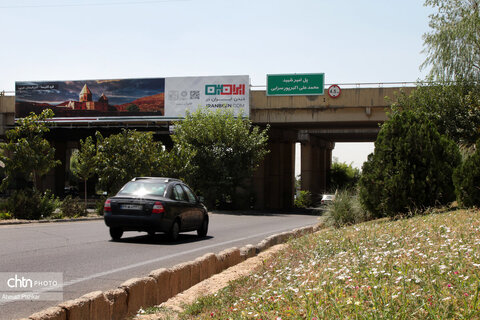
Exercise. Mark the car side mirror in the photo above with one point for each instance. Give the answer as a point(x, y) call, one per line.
point(201, 199)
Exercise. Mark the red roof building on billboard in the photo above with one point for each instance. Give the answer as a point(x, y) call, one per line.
point(86, 101)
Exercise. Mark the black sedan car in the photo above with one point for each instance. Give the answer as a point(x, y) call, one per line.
point(153, 205)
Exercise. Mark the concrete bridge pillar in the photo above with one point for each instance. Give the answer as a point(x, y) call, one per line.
point(311, 163)
point(328, 159)
point(316, 158)
point(7, 113)
point(54, 180)
point(274, 181)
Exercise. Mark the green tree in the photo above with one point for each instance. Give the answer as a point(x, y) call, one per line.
point(177, 162)
point(467, 180)
point(343, 176)
point(126, 155)
point(226, 151)
point(27, 155)
point(453, 45)
point(410, 169)
point(453, 108)
point(84, 162)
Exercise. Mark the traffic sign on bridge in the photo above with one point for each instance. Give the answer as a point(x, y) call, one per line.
point(298, 84)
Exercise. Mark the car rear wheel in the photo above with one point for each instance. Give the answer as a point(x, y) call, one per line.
point(174, 231)
point(203, 230)
point(116, 233)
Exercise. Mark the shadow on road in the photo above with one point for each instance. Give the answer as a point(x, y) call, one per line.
point(160, 239)
point(273, 213)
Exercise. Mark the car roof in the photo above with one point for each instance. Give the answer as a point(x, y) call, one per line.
point(163, 179)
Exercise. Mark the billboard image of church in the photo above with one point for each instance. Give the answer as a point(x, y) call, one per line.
point(91, 97)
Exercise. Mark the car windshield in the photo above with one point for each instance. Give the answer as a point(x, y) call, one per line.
point(142, 188)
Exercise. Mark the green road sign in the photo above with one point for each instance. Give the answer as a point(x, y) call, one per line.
point(297, 84)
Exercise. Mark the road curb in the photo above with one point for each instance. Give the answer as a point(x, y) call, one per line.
point(19, 222)
point(161, 284)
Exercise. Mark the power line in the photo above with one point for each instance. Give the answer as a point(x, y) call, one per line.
point(17, 6)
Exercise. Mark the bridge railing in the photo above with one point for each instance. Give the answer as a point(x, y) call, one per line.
point(352, 85)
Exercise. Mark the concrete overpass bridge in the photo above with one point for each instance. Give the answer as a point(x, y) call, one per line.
point(317, 122)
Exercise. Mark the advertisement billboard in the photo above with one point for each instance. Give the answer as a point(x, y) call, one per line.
point(159, 97)
point(189, 93)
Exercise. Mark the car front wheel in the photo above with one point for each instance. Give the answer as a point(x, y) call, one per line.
point(116, 233)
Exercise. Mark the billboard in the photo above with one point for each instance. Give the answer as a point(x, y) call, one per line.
point(189, 93)
point(159, 97)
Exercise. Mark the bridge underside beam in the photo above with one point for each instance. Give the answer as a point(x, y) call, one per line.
point(344, 134)
point(319, 116)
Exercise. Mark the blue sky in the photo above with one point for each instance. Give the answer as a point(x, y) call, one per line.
point(350, 41)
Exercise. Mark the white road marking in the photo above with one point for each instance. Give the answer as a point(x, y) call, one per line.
point(139, 264)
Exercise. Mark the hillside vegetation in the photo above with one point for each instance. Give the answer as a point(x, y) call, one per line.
point(426, 267)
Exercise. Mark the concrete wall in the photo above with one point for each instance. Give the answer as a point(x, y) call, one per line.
point(356, 97)
point(353, 105)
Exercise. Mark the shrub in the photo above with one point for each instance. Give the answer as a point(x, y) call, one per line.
point(343, 176)
point(303, 199)
point(411, 168)
point(73, 207)
point(345, 210)
point(99, 205)
point(31, 205)
point(5, 216)
point(467, 180)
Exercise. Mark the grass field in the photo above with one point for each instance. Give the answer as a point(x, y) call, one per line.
point(426, 267)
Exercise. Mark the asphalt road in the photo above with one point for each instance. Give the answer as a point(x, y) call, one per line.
point(90, 261)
